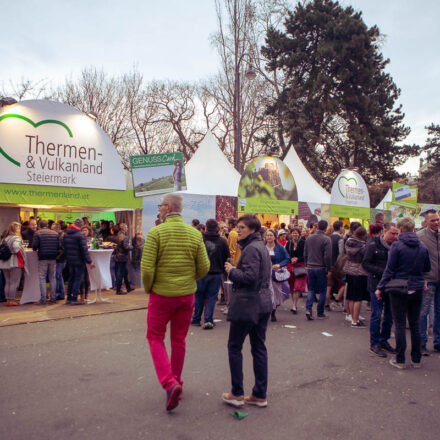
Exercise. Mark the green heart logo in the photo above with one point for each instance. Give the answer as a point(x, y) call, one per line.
point(34, 124)
point(348, 180)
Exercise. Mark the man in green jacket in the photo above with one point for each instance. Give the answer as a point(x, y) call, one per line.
point(174, 258)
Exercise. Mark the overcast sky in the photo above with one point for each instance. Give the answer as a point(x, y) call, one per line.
point(169, 39)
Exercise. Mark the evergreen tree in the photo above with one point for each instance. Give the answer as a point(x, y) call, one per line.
point(428, 182)
point(339, 104)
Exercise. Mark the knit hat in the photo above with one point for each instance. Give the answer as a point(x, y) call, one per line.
point(78, 222)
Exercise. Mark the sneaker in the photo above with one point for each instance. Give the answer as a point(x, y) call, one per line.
point(361, 318)
point(196, 323)
point(208, 326)
point(336, 307)
point(76, 303)
point(387, 347)
point(398, 365)
point(323, 316)
point(358, 324)
point(309, 316)
point(424, 350)
point(416, 365)
point(252, 400)
point(377, 351)
point(230, 399)
point(294, 311)
point(173, 396)
point(348, 318)
point(328, 308)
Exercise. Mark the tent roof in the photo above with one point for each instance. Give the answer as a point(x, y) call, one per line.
point(209, 172)
point(388, 198)
point(309, 190)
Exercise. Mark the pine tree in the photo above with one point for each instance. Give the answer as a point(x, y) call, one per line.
point(339, 105)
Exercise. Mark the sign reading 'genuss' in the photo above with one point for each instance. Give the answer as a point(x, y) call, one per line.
point(49, 143)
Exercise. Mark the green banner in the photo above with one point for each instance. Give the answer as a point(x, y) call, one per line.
point(404, 195)
point(349, 212)
point(65, 196)
point(267, 206)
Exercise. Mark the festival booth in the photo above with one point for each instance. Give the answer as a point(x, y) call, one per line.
point(56, 162)
point(211, 187)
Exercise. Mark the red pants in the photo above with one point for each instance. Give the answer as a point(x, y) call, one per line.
point(178, 311)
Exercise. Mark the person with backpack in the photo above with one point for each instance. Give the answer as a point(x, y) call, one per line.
point(208, 286)
point(12, 262)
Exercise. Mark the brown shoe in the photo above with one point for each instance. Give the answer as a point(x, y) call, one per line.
point(252, 400)
point(230, 399)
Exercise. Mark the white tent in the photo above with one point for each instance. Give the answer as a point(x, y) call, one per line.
point(388, 198)
point(209, 172)
point(309, 190)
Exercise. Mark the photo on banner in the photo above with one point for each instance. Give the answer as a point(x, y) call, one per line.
point(225, 207)
point(157, 173)
point(404, 195)
point(387, 214)
point(267, 187)
point(194, 206)
point(309, 213)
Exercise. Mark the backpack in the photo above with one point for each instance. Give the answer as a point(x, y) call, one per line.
point(5, 251)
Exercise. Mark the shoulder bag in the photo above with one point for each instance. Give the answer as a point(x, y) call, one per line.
point(400, 286)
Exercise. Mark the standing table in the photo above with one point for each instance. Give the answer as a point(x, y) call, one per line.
point(100, 276)
point(31, 288)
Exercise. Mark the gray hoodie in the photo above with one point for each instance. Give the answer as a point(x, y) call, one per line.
point(432, 241)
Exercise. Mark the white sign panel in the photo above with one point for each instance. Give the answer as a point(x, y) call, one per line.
point(49, 143)
point(350, 189)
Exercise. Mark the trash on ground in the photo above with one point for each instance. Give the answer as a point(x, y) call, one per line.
point(327, 334)
point(239, 415)
point(290, 326)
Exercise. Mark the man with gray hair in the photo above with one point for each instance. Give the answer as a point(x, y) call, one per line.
point(47, 243)
point(174, 257)
point(429, 236)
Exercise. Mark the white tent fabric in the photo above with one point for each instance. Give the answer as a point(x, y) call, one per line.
point(309, 190)
point(209, 172)
point(388, 198)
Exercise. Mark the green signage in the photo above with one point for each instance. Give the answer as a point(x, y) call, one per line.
point(67, 196)
point(267, 187)
point(349, 211)
point(157, 173)
point(266, 206)
point(405, 195)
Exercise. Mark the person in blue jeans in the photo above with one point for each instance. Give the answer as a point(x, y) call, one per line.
point(208, 287)
point(318, 258)
point(374, 262)
point(429, 236)
point(408, 259)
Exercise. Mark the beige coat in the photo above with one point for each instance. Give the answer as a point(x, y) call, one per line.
point(15, 245)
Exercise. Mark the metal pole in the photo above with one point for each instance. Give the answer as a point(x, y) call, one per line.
point(238, 146)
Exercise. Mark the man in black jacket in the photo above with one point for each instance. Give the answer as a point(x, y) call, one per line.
point(208, 286)
point(374, 262)
point(77, 255)
point(47, 244)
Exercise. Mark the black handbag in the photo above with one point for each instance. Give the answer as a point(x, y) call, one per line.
point(299, 271)
point(398, 286)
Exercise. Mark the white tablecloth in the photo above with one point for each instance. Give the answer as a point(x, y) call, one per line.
point(100, 277)
point(31, 288)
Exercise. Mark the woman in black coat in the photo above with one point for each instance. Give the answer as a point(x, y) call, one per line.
point(251, 275)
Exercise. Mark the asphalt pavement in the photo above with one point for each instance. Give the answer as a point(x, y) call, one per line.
point(92, 378)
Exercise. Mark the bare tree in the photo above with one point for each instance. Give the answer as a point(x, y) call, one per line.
point(27, 89)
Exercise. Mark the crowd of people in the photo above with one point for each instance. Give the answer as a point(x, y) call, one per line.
point(391, 267)
point(63, 255)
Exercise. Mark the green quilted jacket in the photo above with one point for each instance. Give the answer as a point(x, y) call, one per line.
point(174, 258)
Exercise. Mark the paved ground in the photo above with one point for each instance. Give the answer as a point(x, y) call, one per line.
point(92, 378)
point(28, 313)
